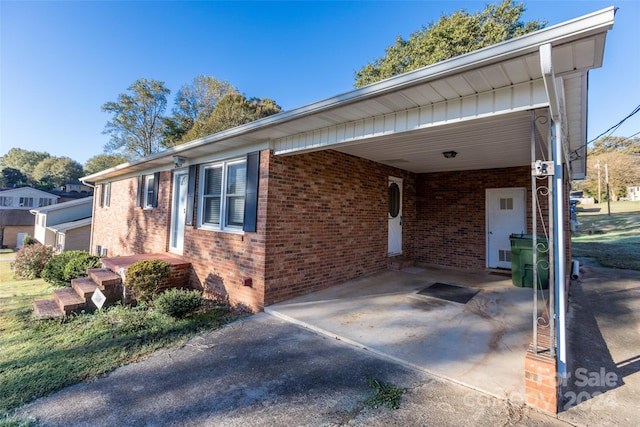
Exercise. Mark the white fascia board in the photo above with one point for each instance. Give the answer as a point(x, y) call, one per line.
point(562, 33)
point(521, 97)
point(64, 227)
point(64, 205)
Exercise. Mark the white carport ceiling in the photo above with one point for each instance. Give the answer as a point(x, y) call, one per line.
point(493, 142)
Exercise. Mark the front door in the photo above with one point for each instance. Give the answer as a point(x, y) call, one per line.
point(506, 215)
point(395, 216)
point(179, 210)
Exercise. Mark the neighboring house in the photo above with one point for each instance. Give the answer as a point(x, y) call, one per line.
point(75, 187)
point(633, 193)
point(15, 225)
point(65, 226)
point(15, 220)
point(433, 166)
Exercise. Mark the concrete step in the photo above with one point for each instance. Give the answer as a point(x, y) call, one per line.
point(47, 309)
point(68, 300)
point(104, 278)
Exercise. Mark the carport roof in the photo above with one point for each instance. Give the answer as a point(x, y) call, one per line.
point(408, 120)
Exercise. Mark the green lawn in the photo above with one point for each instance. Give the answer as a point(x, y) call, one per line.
point(613, 240)
point(40, 357)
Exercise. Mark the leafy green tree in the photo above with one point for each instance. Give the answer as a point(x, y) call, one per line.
point(233, 110)
point(101, 162)
point(23, 160)
point(195, 102)
point(137, 126)
point(450, 36)
point(55, 171)
point(12, 177)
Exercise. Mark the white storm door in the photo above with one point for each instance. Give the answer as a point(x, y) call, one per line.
point(506, 215)
point(395, 216)
point(179, 210)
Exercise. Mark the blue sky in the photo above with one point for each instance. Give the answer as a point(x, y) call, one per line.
point(61, 61)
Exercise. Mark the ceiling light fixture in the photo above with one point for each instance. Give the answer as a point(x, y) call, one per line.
point(449, 154)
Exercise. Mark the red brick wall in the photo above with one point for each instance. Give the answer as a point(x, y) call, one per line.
point(125, 229)
point(327, 221)
point(451, 228)
point(221, 261)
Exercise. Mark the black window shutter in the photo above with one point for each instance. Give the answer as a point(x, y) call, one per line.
point(191, 194)
point(100, 192)
point(156, 187)
point(251, 193)
point(139, 194)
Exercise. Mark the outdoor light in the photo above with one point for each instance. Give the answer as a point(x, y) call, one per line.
point(449, 154)
point(178, 161)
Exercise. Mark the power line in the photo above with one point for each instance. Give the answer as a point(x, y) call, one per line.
point(574, 154)
point(616, 126)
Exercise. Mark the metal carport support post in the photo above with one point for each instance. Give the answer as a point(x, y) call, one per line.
point(556, 105)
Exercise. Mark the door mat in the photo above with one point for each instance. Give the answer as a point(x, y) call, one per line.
point(447, 292)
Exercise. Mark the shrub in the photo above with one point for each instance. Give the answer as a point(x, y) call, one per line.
point(28, 241)
point(77, 266)
point(30, 260)
point(178, 302)
point(145, 277)
point(68, 265)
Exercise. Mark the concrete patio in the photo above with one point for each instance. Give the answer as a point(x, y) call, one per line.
point(480, 344)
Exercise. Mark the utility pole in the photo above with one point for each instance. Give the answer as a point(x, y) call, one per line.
point(598, 168)
point(606, 179)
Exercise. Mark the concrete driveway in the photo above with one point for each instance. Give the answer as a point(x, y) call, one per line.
point(603, 383)
point(480, 344)
point(263, 371)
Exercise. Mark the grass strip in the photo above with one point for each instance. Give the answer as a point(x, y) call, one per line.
point(40, 357)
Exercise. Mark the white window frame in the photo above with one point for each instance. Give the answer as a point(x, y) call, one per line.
point(106, 194)
point(147, 203)
point(23, 202)
point(44, 202)
point(6, 201)
point(223, 226)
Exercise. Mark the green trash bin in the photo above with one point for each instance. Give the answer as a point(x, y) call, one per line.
point(522, 260)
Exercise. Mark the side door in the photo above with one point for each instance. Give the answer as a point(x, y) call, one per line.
point(505, 215)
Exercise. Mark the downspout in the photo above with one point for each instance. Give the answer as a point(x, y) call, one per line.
point(93, 215)
point(555, 108)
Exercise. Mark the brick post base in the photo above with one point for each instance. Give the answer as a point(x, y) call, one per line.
point(541, 386)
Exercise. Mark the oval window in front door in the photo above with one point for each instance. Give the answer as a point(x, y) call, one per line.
point(394, 200)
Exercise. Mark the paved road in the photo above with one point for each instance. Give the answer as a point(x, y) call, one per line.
point(262, 371)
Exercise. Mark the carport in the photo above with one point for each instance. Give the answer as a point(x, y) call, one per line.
point(519, 104)
point(479, 343)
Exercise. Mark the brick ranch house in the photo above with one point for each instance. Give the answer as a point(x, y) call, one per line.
point(433, 166)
